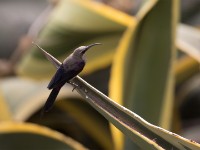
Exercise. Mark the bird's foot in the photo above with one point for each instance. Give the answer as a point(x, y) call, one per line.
point(74, 85)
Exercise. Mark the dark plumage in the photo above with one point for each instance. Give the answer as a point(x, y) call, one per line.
point(70, 67)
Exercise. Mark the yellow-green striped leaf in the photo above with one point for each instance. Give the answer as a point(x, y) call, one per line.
point(71, 24)
point(25, 136)
point(142, 78)
point(144, 134)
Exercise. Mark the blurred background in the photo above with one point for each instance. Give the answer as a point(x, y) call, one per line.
point(59, 26)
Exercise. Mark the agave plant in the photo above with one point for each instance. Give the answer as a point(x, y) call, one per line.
point(140, 52)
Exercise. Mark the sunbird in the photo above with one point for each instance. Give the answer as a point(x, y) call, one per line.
point(70, 68)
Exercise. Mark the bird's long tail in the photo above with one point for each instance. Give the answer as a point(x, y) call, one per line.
point(51, 99)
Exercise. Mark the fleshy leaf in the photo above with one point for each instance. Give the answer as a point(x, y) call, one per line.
point(142, 72)
point(25, 136)
point(144, 134)
point(74, 23)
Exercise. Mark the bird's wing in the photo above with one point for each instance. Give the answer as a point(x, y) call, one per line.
point(56, 78)
point(64, 75)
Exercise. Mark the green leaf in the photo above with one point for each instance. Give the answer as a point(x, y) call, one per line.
point(88, 119)
point(24, 97)
point(71, 24)
point(142, 74)
point(185, 68)
point(4, 109)
point(25, 136)
point(25, 105)
point(144, 134)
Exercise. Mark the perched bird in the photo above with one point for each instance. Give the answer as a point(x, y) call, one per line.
point(70, 67)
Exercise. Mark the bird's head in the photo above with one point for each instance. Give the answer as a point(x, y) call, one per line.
point(80, 51)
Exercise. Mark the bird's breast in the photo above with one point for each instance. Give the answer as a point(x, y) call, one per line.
point(82, 64)
point(73, 64)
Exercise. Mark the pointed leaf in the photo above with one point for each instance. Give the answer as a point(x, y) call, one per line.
point(25, 136)
point(74, 23)
point(146, 135)
point(142, 73)
point(4, 109)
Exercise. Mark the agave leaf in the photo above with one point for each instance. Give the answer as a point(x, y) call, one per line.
point(4, 109)
point(146, 135)
point(30, 136)
point(185, 68)
point(24, 103)
point(192, 132)
point(77, 119)
point(142, 69)
point(188, 39)
point(47, 55)
point(89, 120)
point(17, 101)
point(74, 23)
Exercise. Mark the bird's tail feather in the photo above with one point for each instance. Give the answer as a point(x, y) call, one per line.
point(51, 99)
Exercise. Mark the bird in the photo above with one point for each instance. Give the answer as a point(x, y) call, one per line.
point(69, 68)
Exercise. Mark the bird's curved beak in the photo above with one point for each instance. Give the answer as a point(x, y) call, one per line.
point(91, 45)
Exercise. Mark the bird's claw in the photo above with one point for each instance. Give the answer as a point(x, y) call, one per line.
point(73, 88)
point(74, 85)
